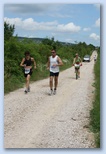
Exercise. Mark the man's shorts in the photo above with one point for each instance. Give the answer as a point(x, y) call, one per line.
point(54, 74)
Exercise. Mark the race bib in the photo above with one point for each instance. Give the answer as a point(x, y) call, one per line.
point(53, 66)
point(27, 70)
point(77, 65)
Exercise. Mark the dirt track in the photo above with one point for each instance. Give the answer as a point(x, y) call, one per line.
point(36, 120)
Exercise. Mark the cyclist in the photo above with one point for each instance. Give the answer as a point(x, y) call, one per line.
point(26, 63)
point(77, 61)
point(53, 64)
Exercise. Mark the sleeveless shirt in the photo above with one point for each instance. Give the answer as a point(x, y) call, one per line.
point(28, 62)
point(53, 60)
point(77, 60)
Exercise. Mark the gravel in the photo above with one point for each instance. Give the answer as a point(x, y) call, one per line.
point(37, 120)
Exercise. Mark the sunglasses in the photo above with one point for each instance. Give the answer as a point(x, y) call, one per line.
point(52, 52)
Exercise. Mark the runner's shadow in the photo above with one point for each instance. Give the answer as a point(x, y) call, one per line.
point(71, 77)
point(46, 93)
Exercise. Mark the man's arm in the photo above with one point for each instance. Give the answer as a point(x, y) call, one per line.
point(60, 63)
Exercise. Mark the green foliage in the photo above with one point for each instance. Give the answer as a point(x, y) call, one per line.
point(8, 31)
point(12, 83)
point(83, 49)
point(95, 112)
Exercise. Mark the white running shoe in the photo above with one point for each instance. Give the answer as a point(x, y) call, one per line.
point(25, 91)
point(28, 89)
point(54, 92)
point(51, 92)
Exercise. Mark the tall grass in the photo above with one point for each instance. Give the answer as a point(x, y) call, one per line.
point(95, 112)
point(40, 73)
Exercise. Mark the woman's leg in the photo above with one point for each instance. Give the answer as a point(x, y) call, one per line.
point(27, 81)
point(79, 72)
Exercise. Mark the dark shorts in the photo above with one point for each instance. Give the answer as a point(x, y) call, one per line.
point(77, 68)
point(30, 73)
point(54, 74)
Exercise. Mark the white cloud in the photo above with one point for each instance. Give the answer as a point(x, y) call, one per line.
point(13, 21)
point(94, 36)
point(97, 23)
point(86, 29)
point(70, 27)
point(31, 25)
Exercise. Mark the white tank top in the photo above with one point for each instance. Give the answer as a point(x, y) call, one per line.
point(53, 60)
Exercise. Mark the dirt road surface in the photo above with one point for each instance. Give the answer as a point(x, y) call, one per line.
point(37, 120)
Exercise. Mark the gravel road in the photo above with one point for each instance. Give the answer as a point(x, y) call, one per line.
point(37, 120)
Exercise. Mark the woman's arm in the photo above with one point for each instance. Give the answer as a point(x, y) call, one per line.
point(22, 63)
point(34, 62)
point(73, 61)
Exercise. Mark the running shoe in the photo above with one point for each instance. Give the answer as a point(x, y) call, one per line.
point(51, 92)
point(28, 89)
point(54, 92)
point(25, 91)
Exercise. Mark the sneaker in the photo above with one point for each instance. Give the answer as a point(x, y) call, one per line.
point(51, 92)
point(28, 89)
point(54, 92)
point(25, 91)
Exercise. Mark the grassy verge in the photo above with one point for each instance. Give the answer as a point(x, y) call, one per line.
point(12, 83)
point(15, 82)
point(95, 112)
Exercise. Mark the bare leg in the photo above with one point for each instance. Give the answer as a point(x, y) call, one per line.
point(27, 81)
point(79, 72)
point(51, 82)
point(55, 82)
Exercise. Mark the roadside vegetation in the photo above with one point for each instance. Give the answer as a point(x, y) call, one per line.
point(14, 52)
point(95, 112)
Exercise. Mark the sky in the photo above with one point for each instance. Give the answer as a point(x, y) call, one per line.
point(66, 22)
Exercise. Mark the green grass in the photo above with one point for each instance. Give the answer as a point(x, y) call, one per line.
point(14, 82)
point(95, 112)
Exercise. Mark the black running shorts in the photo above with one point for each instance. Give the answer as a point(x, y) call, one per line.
point(30, 73)
point(54, 74)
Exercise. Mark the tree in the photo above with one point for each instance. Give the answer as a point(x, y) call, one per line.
point(8, 31)
point(48, 41)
